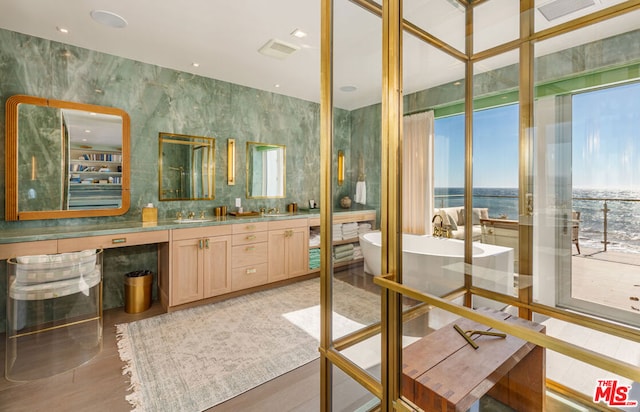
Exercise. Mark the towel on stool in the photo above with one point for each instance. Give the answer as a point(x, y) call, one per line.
point(361, 193)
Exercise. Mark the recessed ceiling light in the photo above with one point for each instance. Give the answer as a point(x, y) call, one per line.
point(87, 131)
point(84, 140)
point(62, 30)
point(298, 33)
point(276, 85)
point(348, 89)
point(194, 64)
point(108, 19)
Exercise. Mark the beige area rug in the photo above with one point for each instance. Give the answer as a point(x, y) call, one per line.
point(193, 359)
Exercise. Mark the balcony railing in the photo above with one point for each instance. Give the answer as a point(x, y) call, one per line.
point(604, 221)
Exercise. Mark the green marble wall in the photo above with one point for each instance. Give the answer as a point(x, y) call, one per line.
point(163, 100)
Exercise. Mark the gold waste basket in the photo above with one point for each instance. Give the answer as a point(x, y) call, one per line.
point(137, 291)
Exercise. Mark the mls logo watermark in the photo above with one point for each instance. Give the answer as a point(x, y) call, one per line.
point(613, 393)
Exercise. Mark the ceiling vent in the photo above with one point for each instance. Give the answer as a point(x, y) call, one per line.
point(278, 49)
point(559, 8)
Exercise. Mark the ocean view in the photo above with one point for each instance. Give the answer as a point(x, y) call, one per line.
point(623, 218)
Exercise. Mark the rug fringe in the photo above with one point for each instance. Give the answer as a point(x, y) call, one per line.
point(126, 355)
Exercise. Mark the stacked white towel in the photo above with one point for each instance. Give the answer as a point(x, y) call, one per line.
point(364, 228)
point(337, 232)
point(314, 237)
point(357, 252)
point(349, 230)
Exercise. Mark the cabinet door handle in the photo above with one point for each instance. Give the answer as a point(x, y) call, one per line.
point(200, 242)
point(206, 244)
point(250, 271)
point(250, 227)
point(249, 248)
point(250, 237)
point(119, 240)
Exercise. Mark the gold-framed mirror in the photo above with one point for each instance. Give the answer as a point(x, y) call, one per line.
point(186, 167)
point(266, 170)
point(65, 159)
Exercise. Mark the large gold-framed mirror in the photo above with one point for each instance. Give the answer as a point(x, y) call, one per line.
point(65, 159)
point(186, 167)
point(266, 170)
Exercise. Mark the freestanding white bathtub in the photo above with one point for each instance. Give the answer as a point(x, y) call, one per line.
point(436, 265)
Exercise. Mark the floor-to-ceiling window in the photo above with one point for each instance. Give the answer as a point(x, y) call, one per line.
point(512, 74)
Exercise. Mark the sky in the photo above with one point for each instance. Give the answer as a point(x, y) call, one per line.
point(606, 138)
point(495, 149)
point(605, 143)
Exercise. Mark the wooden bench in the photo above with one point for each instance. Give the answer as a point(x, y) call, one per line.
point(442, 372)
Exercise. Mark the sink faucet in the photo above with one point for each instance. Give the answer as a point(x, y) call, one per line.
point(191, 215)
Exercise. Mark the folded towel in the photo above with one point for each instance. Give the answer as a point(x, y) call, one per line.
point(361, 193)
point(343, 259)
point(342, 248)
point(340, 255)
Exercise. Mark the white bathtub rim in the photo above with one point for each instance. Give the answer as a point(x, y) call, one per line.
point(484, 248)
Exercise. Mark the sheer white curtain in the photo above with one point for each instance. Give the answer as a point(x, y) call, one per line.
point(417, 173)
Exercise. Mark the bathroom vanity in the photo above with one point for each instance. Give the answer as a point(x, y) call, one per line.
point(197, 262)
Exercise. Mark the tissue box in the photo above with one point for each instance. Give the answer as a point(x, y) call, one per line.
point(149, 214)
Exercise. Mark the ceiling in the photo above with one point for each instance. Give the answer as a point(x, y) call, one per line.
point(223, 37)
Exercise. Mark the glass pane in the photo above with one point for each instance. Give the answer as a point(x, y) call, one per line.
point(433, 169)
point(580, 376)
point(356, 183)
point(495, 22)
point(441, 18)
point(349, 395)
point(586, 117)
point(495, 176)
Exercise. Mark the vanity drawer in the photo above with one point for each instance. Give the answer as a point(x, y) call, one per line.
point(252, 254)
point(250, 227)
point(288, 224)
point(249, 276)
point(111, 241)
point(205, 231)
point(40, 247)
point(250, 237)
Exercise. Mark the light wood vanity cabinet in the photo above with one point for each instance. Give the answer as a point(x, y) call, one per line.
point(288, 249)
point(200, 263)
point(249, 255)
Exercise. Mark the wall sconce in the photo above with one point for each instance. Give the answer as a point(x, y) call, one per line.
point(231, 161)
point(340, 167)
point(34, 168)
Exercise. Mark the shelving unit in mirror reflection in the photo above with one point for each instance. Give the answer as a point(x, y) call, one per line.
point(95, 179)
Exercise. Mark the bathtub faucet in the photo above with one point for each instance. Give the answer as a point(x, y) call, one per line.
point(441, 230)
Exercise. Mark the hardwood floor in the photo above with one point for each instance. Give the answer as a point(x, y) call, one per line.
point(99, 384)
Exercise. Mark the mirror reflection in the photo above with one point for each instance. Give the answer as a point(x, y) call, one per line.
point(186, 167)
point(65, 159)
point(266, 170)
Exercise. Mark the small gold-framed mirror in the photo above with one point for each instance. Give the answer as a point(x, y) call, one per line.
point(266, 170)
point(186, 167)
